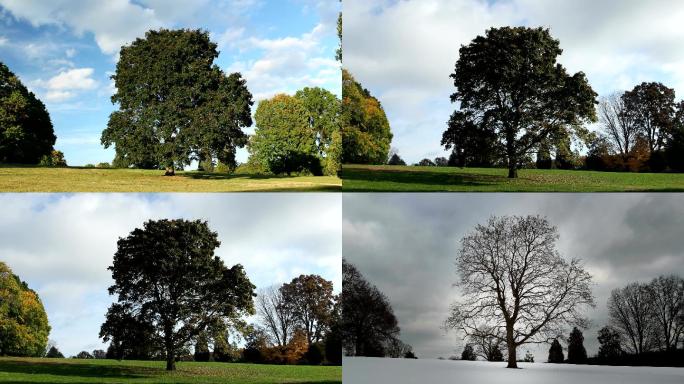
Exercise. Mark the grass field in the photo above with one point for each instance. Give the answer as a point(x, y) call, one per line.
point(76, 179)
point(36, 370)
point(385, 178)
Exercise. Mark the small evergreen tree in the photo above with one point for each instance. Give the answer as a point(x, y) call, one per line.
point(495, 354)
point(202, 349)
point(576, 352)
point(610, 349)
point(314, 355)
point(468, 353)
point(54, 353)
point(396, 160)
point(556, 352)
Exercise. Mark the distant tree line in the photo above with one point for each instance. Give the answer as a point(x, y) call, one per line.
point(646, 327)
point(369, 326)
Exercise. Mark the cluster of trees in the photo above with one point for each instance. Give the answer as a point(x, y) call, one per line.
point(176, 106)
point(577, 354)
point(298, 133)
point(26, 134)
point(24, 326)
point(642, 130)
point(369, 327)
point(515, 286)
point(299, 323)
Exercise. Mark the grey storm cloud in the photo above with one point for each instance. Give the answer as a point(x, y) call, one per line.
point(406, 244)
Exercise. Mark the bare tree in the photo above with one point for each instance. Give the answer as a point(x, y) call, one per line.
point(276, 314)
point(667, 298)
point(515, 283)
point(618, 124)
point(487, 346)
point(629, 311)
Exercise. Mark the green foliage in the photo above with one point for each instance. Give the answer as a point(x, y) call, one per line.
point(366, 134)
point(284, 141)
point(511, 89)
point(26, 133)
point(395, 159)
point(323, 111)
point(84, 355)
point(103, 165)
point(54, 159)
point(314, 355)
point(174, 104)
point(176, 257)
point(24, 324)
point(54, 353)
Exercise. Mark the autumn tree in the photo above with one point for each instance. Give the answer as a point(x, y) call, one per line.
point(514, 282)
point(509, 86)
point(366, 134)
point(652, 106)
point(175, 104)
point(284, 140)
point(368, 321)
point(26, 134)
point(166, 275)
point(629, 311)
point(310, 298)
point(24, 324)
point(276, 314)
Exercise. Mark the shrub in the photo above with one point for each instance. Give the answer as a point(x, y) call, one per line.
point(314, 355)
point(54, 159)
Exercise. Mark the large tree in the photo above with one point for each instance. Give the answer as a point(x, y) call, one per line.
point(24, 324)
point(652, 106)
point(366, 134)
point(323, 111)
point(509, 85)
point(175, 105)
point(166, 275)
point(515, 283)
point(284, 140)
point(368, 321)
point(26, 134)
point(311, 300)
point(618, 124)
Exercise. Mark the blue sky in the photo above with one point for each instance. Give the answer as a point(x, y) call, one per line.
point(276, 237)
point(404, 51)
point(65, 51)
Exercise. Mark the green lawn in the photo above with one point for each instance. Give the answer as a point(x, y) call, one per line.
point(366, 178)
point(76, 179)
point(41, 370)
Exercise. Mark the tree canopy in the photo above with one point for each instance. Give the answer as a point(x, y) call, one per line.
point(366, 134)
point(175, 105)
point(323, 112)
point(167, 277)
point(515, 285)
point(311, 299)
point(24, 324)
point(513, 95)
point(26, 133)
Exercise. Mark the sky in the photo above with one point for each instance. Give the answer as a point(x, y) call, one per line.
point(66, 50)
point(404, 51)
point(406, 244)
point(62, 244)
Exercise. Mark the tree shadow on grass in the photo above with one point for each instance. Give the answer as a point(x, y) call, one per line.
point(418, 177)
point(82, 370)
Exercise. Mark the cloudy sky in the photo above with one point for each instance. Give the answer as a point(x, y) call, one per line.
point(65, 51)
point(61, 245)
point(406, 244)
point(403, 51)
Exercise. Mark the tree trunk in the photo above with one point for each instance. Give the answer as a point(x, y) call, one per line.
point(170, 360)
point(512, 171)
point(170, 171)
point(512, 357)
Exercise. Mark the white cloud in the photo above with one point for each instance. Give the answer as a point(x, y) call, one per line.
point(67, 84)
point(3, 41)
point(70, 52)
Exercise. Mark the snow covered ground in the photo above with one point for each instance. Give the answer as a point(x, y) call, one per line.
point(362, 370)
